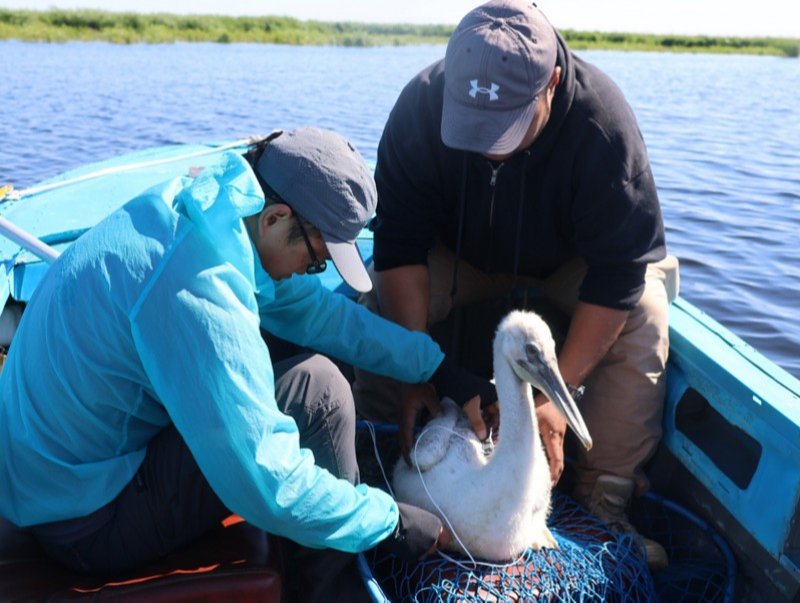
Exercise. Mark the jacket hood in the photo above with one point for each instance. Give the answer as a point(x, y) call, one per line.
point(562, 103)
point(217, 201)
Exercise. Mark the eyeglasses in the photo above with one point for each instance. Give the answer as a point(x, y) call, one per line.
point(316, 266)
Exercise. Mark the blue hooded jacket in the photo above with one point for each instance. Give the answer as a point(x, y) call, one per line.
point(151, 318)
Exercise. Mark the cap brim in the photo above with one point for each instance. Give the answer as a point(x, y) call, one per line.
point(482, 130)
point(347, 259)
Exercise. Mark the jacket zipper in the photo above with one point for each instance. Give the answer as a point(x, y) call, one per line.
point(492, 191)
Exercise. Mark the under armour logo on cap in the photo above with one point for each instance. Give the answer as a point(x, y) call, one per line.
point(492, 91)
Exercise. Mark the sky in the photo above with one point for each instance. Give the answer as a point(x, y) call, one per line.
point(774, 18)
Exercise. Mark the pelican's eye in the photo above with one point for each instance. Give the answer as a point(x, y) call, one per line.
point(532, 352)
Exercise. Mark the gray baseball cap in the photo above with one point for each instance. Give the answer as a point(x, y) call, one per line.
point(324, 178)
point(499, 58)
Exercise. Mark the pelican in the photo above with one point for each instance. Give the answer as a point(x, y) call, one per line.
point(497, 506)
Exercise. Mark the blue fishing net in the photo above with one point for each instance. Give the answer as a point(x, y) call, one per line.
point(592, 562)
point(701, 567)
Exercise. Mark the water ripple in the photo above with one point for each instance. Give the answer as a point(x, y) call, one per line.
point(723, 133)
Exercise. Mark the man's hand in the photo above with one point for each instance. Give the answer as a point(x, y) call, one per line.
point(552, 427)
point(491, 416)
point(413, 400)
point(418, 534)
point(461, 386)
point(475, 416)
point(442, 542)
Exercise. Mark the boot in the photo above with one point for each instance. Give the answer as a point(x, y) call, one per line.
point(609, 501)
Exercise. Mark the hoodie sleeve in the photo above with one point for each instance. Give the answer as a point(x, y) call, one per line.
point(409, 213)
point(196, 329)
point(306, 313)
point(616, 214)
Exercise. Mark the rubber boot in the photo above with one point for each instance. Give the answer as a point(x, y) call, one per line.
point(609, 501)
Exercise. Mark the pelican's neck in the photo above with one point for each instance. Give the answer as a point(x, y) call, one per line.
point(518, 425)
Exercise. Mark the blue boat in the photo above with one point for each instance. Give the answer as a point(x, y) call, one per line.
point(729, 459)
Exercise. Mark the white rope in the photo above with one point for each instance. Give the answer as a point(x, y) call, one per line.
point(430, 496)
point(371, 429)
point(461, 564)
point(131, 167)
point(476, 564)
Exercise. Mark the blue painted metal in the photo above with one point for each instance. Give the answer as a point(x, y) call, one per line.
point(754, 395)
point(58, 216)
point(370, 582)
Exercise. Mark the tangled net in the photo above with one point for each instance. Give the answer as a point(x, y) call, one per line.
point(591, 564)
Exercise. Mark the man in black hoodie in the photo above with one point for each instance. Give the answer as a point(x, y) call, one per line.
point(513, 162)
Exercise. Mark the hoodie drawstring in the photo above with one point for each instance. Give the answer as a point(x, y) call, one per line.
point(518, 239)
point(462, 201)
point(456, 336)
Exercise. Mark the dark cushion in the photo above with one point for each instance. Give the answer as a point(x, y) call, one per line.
point(231, 563)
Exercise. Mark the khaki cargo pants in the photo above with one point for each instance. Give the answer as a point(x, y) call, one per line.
point(624, 397)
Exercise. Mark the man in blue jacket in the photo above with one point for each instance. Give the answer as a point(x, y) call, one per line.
point(140, 405)
point(514, 163)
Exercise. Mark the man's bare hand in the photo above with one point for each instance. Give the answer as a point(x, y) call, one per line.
point(552, 427)
point(441, 543)
point(491, 416)
point(414, 399)
point(475, 416)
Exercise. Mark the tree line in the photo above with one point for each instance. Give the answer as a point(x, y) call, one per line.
point(57, 25)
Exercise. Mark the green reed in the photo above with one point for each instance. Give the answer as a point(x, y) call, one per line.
point(58, 25)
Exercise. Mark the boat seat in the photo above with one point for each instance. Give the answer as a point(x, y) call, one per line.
point(236, 562)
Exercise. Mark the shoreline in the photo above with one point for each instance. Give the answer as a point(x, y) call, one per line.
point(56, 25)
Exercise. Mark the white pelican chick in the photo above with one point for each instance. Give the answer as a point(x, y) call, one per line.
point(497, 506)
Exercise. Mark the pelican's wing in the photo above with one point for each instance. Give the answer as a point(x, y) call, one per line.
point(434, 440)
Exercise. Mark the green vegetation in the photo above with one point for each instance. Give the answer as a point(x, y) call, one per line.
point(127, 28)
point(578, 40)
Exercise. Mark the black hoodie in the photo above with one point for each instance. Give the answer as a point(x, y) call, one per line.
point(584, 188)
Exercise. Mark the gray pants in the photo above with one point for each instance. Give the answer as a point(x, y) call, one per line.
point(169, 503)
point(624, 397)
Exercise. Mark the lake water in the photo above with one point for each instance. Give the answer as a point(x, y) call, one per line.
point(723, 134)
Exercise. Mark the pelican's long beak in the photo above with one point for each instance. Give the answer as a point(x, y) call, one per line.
point(548, 379)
